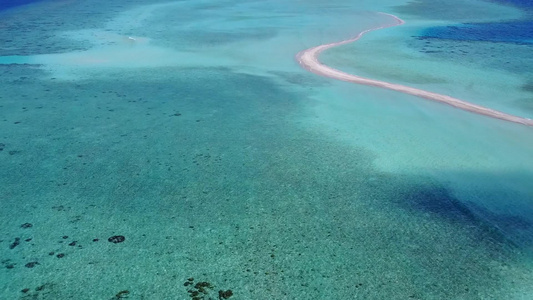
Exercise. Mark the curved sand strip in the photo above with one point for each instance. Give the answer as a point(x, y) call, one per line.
point(309, 60)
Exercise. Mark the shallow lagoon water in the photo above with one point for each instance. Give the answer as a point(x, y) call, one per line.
point(218, 158)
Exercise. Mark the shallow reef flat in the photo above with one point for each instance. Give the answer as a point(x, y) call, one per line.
point(179, 151)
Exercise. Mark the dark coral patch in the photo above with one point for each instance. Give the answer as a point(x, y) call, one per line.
point(225, 294)
point(31, 264)
point(15, 243)
point(117, 239)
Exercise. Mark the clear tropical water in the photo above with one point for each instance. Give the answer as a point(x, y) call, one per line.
point(188, 128)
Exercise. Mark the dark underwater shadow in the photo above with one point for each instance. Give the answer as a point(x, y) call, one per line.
point(504, 214)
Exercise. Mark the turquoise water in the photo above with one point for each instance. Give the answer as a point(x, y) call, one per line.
point(189, 129)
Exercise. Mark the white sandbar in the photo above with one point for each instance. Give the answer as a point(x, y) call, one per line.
point(309, 60)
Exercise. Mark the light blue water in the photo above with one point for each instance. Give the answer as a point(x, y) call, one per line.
point(218, 158)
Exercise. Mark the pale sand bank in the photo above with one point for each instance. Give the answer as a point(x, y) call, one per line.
point(309, 60)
